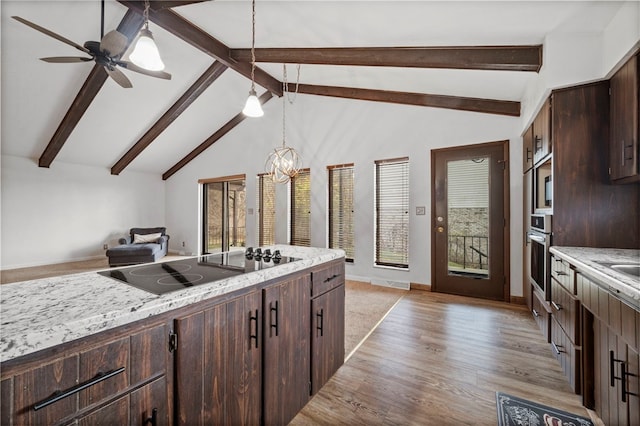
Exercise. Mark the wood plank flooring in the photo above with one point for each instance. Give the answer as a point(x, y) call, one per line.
point(438, 360)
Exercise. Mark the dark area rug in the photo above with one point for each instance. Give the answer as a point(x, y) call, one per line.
point(514, 411)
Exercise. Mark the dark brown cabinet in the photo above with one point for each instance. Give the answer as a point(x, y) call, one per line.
point(118, 381)
point(615, 377)
point(527, 149)
point(623, 145)
point(542, 136)
point(286, 368)
point(587, 210)
point(218, 363)
point(327, 326)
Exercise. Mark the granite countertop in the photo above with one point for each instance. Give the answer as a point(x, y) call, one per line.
point(596, 262)
point(42, 313)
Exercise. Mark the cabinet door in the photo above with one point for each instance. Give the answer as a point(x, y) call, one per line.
point(286, 368)
point(105, 359)
point(632, 383)
point(218, 364)
point(542, 132)
point(623, 148)
point(327, 336)
point(147, 399)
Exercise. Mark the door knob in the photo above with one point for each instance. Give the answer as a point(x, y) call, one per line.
point(440, 229)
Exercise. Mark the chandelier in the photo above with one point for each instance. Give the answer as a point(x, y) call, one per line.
point(284, 163)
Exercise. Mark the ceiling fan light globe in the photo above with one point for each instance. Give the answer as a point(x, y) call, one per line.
point(252, 107)
point(146, 54)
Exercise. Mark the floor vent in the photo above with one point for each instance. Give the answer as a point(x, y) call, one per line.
point(402, 285)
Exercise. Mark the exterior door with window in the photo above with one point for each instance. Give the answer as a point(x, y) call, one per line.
point(469, 206)
point(224, 214)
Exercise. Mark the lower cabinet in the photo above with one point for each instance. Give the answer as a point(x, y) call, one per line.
point(286, 368)
point(567, 354)
point(616, 382)
point(117, 382)
point(327, 336)
point(218, 362)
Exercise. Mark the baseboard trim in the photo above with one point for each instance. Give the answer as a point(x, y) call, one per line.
point(57, 262)
point(518, 300)
point(421, 287)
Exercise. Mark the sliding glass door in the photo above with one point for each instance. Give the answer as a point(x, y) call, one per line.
point(224, 215)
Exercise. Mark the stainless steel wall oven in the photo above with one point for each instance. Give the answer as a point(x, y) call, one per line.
point(539, 236)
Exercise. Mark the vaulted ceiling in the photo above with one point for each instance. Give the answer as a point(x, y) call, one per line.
point(475, 56)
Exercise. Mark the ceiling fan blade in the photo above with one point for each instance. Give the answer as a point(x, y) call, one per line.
point(114, 43)
point(65, 59)
point(51, 34)
point(119, 77)
point(133, 67)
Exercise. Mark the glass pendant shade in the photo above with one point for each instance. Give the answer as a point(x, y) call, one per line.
point(253, 108)
point(146, 53)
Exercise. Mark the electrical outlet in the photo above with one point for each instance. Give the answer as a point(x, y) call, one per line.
point(105, 246)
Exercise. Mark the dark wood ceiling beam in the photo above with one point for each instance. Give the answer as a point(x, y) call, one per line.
point(165, 4)
point(129, 26)
point(188, 32)
point(226, 128)
point(487, 106)
point(500, 58)
point(196, 89)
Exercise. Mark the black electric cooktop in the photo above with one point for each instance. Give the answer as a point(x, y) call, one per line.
point(160, 278)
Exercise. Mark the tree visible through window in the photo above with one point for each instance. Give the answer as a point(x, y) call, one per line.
point(392, 213)
point(300, 214)
point(340, 215)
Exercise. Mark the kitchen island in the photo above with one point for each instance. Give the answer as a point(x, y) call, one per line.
point(86, 346)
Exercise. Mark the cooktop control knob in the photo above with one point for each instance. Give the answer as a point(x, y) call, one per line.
point(277, 255)
point(267, 255)
point(257, 254)
point(248, 252)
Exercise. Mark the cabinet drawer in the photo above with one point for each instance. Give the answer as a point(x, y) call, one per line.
point(565, 308)
point(36, 386)
point(112, 358)
point(541, 315)
point(562, 272)
point(326, 278)
point(567, 355)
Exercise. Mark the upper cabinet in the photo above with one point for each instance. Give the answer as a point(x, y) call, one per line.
point(527, 149)
point(542, 132)
point(623, 148)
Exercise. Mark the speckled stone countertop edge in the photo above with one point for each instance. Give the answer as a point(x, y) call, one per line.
point(593, 262)
point(39, 314)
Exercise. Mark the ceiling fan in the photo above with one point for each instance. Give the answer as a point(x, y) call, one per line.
point(107, 52)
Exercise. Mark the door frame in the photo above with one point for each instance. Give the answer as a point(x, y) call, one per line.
point(506, 291)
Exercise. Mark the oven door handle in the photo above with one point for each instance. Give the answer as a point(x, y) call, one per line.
point(537, 238)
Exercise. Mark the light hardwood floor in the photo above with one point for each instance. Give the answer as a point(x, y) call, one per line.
point(439, 360)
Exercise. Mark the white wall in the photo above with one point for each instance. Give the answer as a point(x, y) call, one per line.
point(69, 211)
point(332, 131)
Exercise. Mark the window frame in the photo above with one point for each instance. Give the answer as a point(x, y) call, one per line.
point(350, 238)
point(397, 259)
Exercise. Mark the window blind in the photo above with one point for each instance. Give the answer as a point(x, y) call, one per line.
point(341, 209)
point(392, 213)
point(266, 210)
point(300, 213)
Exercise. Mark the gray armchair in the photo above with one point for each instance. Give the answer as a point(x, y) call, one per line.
point(142, 245)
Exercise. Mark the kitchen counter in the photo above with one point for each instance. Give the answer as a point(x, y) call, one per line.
point(593, 262)
point(42, 313)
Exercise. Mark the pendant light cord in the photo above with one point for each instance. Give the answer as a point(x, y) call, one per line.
point(285, 95)
point(253, 44)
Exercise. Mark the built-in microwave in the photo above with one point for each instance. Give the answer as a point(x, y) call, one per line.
point(543, 187)
point(539, 236)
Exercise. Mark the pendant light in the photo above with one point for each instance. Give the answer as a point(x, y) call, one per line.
point(284, 163)
point(252, 107)
point(146, 54)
